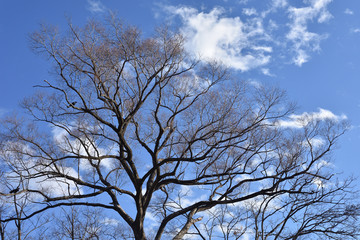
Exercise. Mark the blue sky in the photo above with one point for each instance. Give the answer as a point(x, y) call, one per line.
point(309, 48)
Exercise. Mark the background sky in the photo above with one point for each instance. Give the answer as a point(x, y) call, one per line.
point(309, 48)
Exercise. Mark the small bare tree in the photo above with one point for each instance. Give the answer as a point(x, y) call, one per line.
point(84, 223)
point(325, 214)
point(16, 204)
point(2, 224)
point(168, 142)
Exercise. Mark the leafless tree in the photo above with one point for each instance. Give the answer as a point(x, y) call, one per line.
point(141, 127)
point(15, 204)
point(84, 223)
point(2, 224)
point(325, 214)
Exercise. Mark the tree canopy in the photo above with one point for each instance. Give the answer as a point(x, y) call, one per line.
point(174, 145)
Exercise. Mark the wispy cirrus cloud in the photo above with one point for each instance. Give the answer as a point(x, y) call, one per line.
point(29, 166)
point(95, 6)
point(110, 221)
point(274, 6)
point(82, 146)
point(301, 120)
point(279, 3)
point(302, 39)
point(249, 11)
point(255, 37)
point(266, 72)
point(349, 11)
point(355, 30)
point(243, 1)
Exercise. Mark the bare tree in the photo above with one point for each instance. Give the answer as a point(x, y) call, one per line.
point(2, 224)
point(141, 127)
point(15, 204)
point(85, 223)
point(325, 214)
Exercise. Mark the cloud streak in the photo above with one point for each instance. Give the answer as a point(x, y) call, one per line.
point(355, 30)
point(95, 6)
point(348, 11)
point(255, 38)
point(302, 39)
point(300, 121)
point(82, 146)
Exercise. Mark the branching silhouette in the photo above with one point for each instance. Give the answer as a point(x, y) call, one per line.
point(172, 144)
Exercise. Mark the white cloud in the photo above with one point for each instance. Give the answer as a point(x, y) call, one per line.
point(243, 1)
point(275, 5)
point(266, 72)
point(355, 30)
point(249, 11)
point(227, 39)
point(252, 40)
point(303, 40)
point(279, 3)
point(110, 221)
point(258, 202)
point(59, 135)
point(151, 221)
point(314, 143)
point(299, 121)
point(82, 146)
point(255, 83)
point(56, 186)
point(319, 183)
point(317, 142)
point(96, 6)
point(349, 11)
point(26, 165)
point(322, 163)
point(322, 183)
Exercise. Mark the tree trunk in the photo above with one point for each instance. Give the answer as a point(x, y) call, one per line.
point(19, 231)
point(139, 232)
point(2, 232)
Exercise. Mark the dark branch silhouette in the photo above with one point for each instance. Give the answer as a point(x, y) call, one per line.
point(173, 145)
point(15, 190)
point(71, 104)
